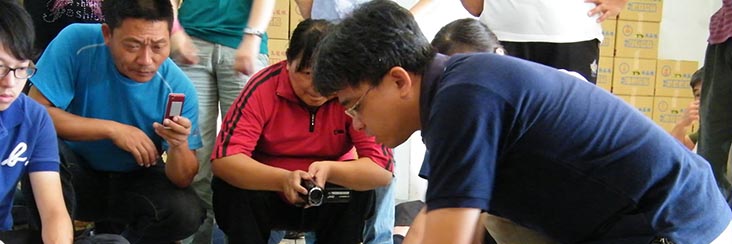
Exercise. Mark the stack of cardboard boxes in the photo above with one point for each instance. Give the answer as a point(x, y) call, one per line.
point(629, 66)
point(285, 18)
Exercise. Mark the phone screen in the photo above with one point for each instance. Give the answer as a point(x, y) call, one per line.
point(175, 108)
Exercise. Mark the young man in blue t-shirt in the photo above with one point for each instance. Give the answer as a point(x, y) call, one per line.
point(27, 138)
point(106, 87)
point(518, 139)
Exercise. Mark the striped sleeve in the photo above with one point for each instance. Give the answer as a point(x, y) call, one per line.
point(243, 124)
point(720, 25)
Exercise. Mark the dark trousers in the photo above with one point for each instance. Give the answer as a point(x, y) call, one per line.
point(715, 130)
point(247, 216)
point(581, 57)
point(26, 236)
point(148, 207)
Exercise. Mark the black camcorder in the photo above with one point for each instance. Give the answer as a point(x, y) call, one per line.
point(318, 196)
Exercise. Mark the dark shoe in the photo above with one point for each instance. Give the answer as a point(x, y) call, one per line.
point(294, 235)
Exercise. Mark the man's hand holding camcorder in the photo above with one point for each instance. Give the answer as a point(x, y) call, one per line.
point(291, 188)
point(320, 171)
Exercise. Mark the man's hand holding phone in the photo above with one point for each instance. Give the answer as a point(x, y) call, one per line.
point(174, 128)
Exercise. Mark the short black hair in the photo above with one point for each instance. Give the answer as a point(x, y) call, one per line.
point(465, 35)
point(116, 11)
point(304, 40)
point(697, 77)
point(377, 36)
point(16, 30)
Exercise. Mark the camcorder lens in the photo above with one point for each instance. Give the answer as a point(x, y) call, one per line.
point(315, 193)
point(316, 196)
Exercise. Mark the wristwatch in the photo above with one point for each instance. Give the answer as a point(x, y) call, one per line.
point(251, 31)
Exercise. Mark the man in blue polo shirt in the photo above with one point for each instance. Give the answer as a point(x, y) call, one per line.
point(27, 137)
point(520, 140)
point(106, 87)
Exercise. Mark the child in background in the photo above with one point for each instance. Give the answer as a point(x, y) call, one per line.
point(691, 114)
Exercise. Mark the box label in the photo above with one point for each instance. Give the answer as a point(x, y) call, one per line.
point(605, 73)
point(637, 40)
point(634, 76)
point(642, 10)
point(668, 110)
point(674, 77)
point(277, 50)
point(279, 25)
point(607, 46)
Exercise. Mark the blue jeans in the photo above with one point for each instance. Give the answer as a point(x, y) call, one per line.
point(217, 85)
point(276, 236)
point(143, 205)
point(377, 230)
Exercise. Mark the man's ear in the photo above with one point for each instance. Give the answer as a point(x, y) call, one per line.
point(107, 33)
point(401, 79)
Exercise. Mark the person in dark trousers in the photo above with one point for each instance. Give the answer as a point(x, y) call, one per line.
point(564, 35)
point(715, 129)
point(281, 133)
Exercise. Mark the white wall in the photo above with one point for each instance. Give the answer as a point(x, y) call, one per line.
point(684, 31)
point(439, 14)
point(409, 155)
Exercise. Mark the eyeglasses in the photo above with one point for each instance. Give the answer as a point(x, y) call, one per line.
point(20, 72)
point(352, 110)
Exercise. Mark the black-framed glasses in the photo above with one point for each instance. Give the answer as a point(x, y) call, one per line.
point(352, 110)
point(20, 72)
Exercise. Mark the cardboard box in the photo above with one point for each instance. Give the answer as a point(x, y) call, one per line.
point(279, 25)
point(277, 50)
point(642, 10)
point(607, 46)
point(668, 110)
point(637, 39)
point(634, 76)
point(644, 104)
point(295, 16)
point(673, 77)
point(605, 73)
